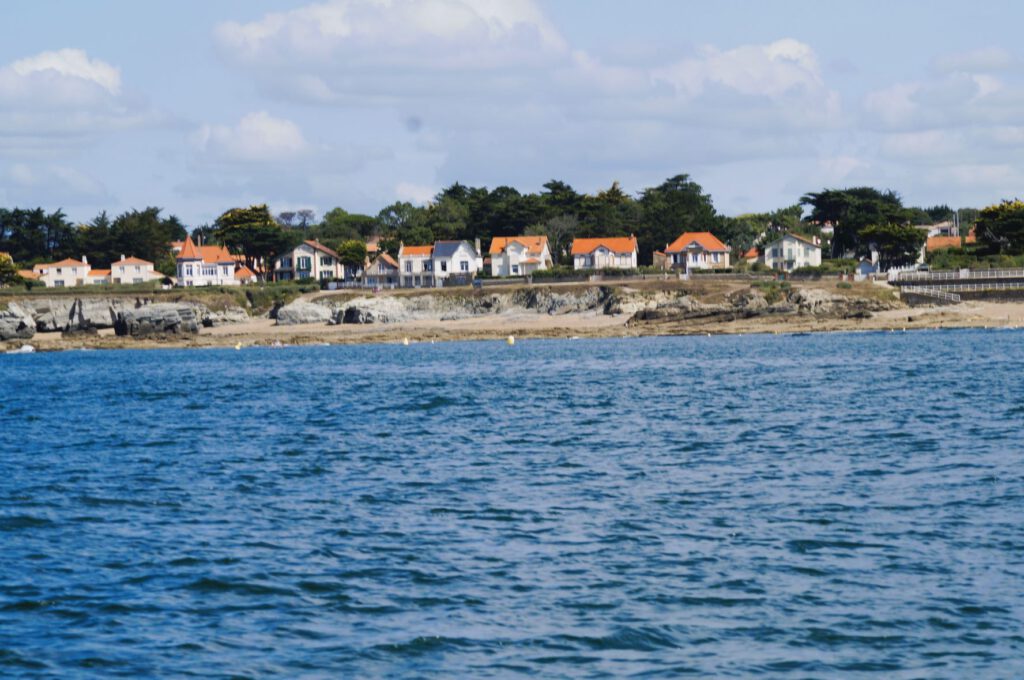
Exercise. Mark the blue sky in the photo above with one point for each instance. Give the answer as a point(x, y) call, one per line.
point(201, 106)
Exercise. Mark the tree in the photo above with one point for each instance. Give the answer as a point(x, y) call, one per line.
point(675, 206)
point(896, 244)
point(1001, 227)
point(849, 211)
point(560, 231)
point(143, 233)
point(8, 271)
point(254, 233)
point(352, 254)
point(397, 218)
point(286, 217)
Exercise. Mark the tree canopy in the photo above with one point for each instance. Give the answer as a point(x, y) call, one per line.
point(256, 235)
point(1001, 227)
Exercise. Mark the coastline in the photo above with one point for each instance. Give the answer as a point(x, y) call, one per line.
point(590, 324)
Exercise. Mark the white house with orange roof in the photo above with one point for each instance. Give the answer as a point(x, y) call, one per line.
point(205, 265)
point(416, 266)
point(309, 260)
point(133, 270)
point(64, 274)
point(519, 255)
point(697, 250)
point(618, 252)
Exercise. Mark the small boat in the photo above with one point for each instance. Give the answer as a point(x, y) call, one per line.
point(24, 349)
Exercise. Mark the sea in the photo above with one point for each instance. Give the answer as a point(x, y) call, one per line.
point(810, 506)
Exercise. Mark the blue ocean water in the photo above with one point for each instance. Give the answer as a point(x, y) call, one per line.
point(847, 505)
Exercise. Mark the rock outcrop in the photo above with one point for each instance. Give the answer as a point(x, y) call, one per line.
point(223, 317)
point(301, 311)
point(158, 320)
point(16, 323)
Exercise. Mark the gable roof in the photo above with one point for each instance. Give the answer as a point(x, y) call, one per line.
point(244, 273)
point(208, 254)
point(28, 274)
point(316, 245)
point(705, 239)
point(390, 261)
point(533, 244)
point(99, 272)
point(130, 260)
point(798, 237)
point(67, 262)
point(416, 251)
point(619, 244)
point(449, 248)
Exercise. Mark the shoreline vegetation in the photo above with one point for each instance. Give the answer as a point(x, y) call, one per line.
point(558, 311)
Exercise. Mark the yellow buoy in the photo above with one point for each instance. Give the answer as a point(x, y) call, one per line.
point(511, 340)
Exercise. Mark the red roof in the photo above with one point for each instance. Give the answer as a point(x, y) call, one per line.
point(316, 245)
point(416, 251)
point(751, 254)
point(68, 262)
point(941, 242)
point(620, 244)
point(244, 273)
point(130, 260)
point(705, 239)
point(208, 254)
point(99, 272)
point(533, 244)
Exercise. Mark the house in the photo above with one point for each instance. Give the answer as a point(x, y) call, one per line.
point(28, 274)
point(245, 275)
point(660, 260)
point(697, 250)
point(604, 253)
point(752, 256)
point(455, 261)
point(205, 265)
point(790, 251)
point(133, 270)
point(64, 274)
point(416, 266)
point(99, 276)
point(309, 260)
point(382, 272)
point(519, 255)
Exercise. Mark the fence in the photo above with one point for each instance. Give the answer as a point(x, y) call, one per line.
point(962, 275)
point(928, 291)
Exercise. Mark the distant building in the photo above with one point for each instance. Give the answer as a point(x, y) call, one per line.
point(752, 256)
point(790, 251)
point(697, 250)
point(133, 270)
point(416, 266)
point(456, 261)
point(245, 275)
point(519, 255)
point(309, 260)
point(382, 272)
point(604, 253)
point(64, 274)
point(99, 277)
point(205, 265)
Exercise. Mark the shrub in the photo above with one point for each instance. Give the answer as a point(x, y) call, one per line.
point(844, 285)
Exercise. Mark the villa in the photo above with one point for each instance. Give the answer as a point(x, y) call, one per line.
point(519, 255)
point(64, 274)
point(790, 251)
point(604, 253)
point(132, 270)
point(382, 272)
point(416, 265)
point(697, 250)
point(205, 265)
point(456, 261)
point(309, 260)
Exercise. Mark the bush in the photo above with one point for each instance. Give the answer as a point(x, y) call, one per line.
point(844, 285)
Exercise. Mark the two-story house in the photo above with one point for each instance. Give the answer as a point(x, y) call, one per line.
point(205, 265)
point(64, 274)
point(790, 251)
point(519, 255)
point(455, 262)
point(133, 270)
point(416, 266)
point(604, 253)
point(309, 260)
point(697, 250)
point(381, 272)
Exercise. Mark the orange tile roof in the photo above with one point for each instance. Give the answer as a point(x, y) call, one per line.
point(533, 244)
point(316, 245)
point(940, 242)
point(705, 239)
point(751, 254)
point(619, 244)
point(28, 274)
point(244, 273)
point(188, 250)
point(387, 258)
point(416, 251)
point(130, 260)
point(531, 260)
point(67, 262)
point(208, 254)
point(99, 272)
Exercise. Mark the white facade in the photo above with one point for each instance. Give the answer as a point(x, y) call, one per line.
point(133, 270)
point(791, 252)
point(519, 256)
point(455, 259)
point(65, 274)
point(309, 260)
point(416, 266)
point(205, 266)
point(604, 253)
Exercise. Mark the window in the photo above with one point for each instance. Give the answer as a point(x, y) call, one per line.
point(695, 257)
point(408, 266)
point(428, 265)
point(326, 261)
point(444, 266)
point(305, 263)
point(138, 269)
point(515, 269)
point(286, 263)
point(60, 270)
point(714, 257)
point(188, 270)
point(464, 266)
point(325, 275)
point(136, 280)
point(58, 284)
point(304, 274)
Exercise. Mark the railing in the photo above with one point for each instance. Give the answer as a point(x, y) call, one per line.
point(971, 274)
point(967, 287)
point(928, 291)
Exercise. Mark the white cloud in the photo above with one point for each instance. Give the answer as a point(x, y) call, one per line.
point(415, 193)
point(257, 138)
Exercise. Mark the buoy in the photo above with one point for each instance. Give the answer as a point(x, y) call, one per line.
point(238, 346)
point(511, 340)
point(405, 341)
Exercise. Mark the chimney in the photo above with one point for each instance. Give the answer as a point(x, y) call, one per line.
point(476, 243)
point(85, 260)
point(122, 257)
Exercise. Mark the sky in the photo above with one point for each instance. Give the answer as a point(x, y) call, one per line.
point(198, 106)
